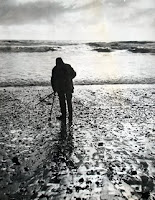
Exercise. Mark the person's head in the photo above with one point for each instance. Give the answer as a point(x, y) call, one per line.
point(59, 62)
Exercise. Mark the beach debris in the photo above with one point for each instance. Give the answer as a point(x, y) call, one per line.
point(26, 169)
point(116, 163)
point(81, 180)
point(100, 144)
point(15, 160)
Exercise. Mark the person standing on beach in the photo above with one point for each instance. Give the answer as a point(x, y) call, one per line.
point(62, 83)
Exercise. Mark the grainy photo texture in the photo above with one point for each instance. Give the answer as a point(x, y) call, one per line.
point(77, 99)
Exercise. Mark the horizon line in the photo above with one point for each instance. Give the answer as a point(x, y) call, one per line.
point(77, 40)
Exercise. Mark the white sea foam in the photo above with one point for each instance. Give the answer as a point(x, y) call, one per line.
point(116, 67)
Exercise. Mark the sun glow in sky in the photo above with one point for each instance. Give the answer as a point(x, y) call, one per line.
point(105, 20)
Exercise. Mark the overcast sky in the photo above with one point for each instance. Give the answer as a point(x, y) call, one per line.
point(105, 20)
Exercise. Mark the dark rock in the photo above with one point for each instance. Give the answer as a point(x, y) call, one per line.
point(41, 181)
point(77, 188)
point(81, 180)
point(88, 182)
point(69, 191)
point(26, 169)
point(97, 183)
point(15, 160)
point(38, 127)
point(133, 172)
point(87, 186)
point(48, 103)
point(90, 172)
point(110, 168)
point(100, 144)
point(23, 190)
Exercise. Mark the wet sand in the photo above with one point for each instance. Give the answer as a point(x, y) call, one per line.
point(108, 152)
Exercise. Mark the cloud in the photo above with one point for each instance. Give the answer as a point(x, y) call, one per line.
point(76, 19)
point(49, 12)
point(30, 12)
point(20, 12)
point(117, 3)
point(129, 12)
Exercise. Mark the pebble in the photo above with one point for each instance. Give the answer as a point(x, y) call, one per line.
point(110, 123)
point(15, 160)
point(133, 172)
point(26, 169)
point(100, 144)
point(81, 180)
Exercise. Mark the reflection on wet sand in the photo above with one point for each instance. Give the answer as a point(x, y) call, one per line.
point(64, 146)
point(108, 153)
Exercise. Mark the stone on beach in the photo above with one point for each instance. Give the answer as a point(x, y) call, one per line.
point(107, 153)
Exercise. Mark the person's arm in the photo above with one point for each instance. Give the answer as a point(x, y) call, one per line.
point(53, 84)
point(71, 72)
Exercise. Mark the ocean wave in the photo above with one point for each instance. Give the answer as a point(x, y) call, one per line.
point(27, 48)
point(106, 49)
point(141, 50)
point(45, 46)
point(131, 46)
point(37, 43)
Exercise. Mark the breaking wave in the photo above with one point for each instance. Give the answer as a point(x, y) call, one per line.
point(27, 48)
point(131, 46)
point(45, 46)
point(96, 63)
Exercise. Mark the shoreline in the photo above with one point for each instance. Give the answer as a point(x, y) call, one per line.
point(86, 85)
point(107, 153)
point(80, 84)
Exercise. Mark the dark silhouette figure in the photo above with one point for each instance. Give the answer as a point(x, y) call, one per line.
point(61, 81)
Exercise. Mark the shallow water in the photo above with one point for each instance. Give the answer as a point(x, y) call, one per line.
point(92, 67)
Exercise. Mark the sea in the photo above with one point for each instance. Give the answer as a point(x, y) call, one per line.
point(30, 62)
